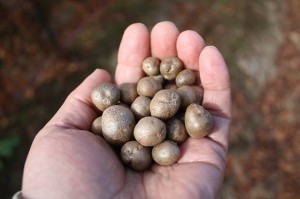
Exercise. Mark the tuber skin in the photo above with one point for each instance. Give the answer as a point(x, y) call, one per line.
point(141, 107)
point(96, 126)
point(199, 94)
point(165, 104)
point(166, 153)
point(186, 77)
point(148, 86)
point(176, 131)
point(198, 121)
point(117, 124)
point(105, 95)
point(150, 131)
point(151, 66)
point(170, 67)
point(128, 93)
point(136, 156)
point(188, 96)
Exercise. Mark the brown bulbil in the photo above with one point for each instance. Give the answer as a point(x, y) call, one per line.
point(165, 104)
point(159, 78)
point(186, 77)
point(166, 153)
point(117, 124)
point(151, 66)
point(148, 86)
point(176, 131)
point(128, 92)
point(198, 121)
point(188, 96)
point(96, 126)
point(150, 131)
point(105, 95)
point(141, 107)
point(136, 156)
point(172, 87)
point(170, 67)
point(199, 94)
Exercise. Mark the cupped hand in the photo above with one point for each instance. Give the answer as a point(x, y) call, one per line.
point(67, 161)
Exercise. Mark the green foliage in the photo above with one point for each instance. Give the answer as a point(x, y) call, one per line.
point(7, 146)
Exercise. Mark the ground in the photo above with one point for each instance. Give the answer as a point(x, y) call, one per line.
point(47, 48)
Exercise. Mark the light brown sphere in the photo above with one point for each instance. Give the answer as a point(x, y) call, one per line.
point(159, 78)
point(176, 131)
point(148, 86)
point(165, 104)
point(171, 86)
point(105, 95)
point(96, 126)
point(150, 131)
point(128, 92)
point(170, 67)
point(188, 96)
point(136, 156)
point(198, 121)
point(141, 107)
point(199, 94)
point(151, 66)
point(117, 124)
point(166, 153)
point(186, 77)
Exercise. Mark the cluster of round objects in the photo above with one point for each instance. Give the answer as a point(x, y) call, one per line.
point(150, 119)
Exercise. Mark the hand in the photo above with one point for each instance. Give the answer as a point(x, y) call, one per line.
point(67, 161)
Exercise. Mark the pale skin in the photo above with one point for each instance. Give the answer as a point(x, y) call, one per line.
point(67, 161)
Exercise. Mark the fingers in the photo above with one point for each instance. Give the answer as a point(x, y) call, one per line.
point(214, 76)
point(189, 46)
point(134, 48)
point(163, 40)
point(77, 111)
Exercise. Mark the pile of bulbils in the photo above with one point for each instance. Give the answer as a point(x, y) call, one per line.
point(151, 118)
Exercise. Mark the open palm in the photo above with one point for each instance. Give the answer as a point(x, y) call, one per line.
point(67, 161)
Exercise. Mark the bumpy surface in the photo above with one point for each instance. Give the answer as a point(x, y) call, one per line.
point(176, 130)
point(128, 93)
point(198, 121)
point(151, 66)
point(170, 67)
point(166, 106)
point(150, 131)
point(141, 107)
point(117, 124)
point(136, 156)
point(166, 153)
point(148, 86)
point(105, 95)
point(186, 77)
point(96, 127)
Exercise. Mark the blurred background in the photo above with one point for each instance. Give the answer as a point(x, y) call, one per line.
point(48, 47)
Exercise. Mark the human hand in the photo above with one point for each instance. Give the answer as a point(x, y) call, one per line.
point(68, 161)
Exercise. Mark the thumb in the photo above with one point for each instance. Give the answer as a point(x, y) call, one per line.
point(78, 112)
